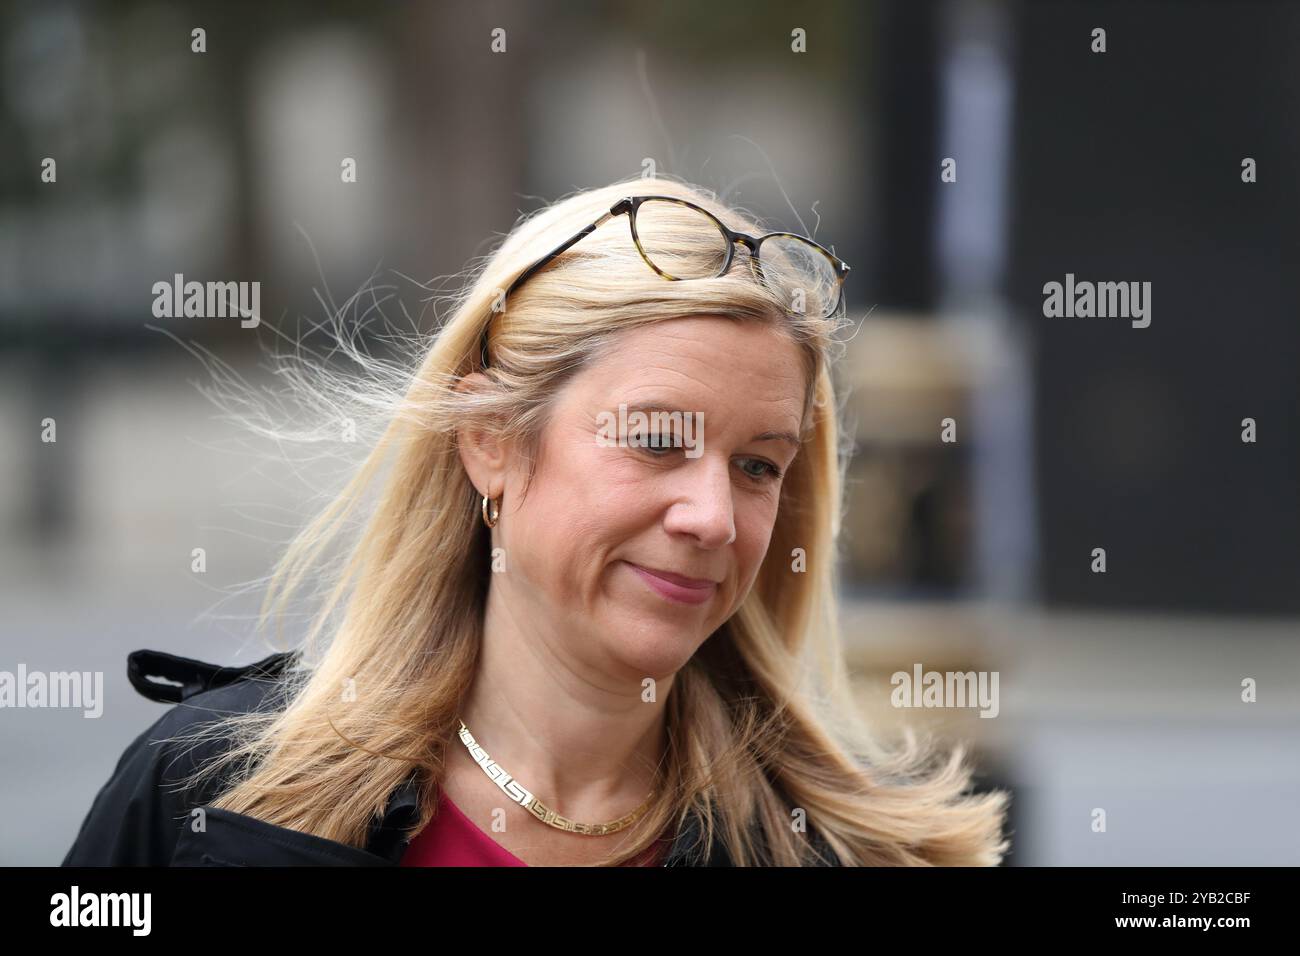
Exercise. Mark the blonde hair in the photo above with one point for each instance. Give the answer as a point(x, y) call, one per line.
point(759, 722)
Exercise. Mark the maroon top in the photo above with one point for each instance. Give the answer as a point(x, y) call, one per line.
point(453, 839)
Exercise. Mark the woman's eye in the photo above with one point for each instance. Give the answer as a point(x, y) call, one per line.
point(660, 441)
point(766, 470)
point(757, 469)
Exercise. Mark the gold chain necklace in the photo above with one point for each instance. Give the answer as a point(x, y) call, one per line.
point(516, 792)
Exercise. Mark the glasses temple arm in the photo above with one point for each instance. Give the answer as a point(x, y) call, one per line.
point(540, 263)
point(584, 231)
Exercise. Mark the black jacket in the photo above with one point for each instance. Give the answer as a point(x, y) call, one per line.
point(140, 816)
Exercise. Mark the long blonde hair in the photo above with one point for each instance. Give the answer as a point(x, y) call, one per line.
point(760, 722)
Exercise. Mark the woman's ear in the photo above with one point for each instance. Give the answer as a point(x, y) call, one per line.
point(483, 457)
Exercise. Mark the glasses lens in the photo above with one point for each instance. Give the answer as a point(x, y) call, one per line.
point(681, 242)
point(800, 273)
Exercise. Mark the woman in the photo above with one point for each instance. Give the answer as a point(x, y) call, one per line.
point(560, 606)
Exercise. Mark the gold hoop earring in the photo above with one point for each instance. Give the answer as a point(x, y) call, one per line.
point(491, 522)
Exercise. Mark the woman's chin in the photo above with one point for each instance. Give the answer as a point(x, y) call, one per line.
point(653, 650)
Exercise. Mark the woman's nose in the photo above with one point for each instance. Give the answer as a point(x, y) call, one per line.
point(705, 510)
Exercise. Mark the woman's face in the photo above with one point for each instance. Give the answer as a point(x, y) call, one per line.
point(602, 511)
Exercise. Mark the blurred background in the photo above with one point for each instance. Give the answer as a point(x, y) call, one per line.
point(1119, 690)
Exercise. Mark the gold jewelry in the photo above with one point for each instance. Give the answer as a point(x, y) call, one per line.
point(496, 512)
point(511, 788)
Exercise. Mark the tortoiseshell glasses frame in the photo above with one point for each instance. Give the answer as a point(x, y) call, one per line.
point(630, 205)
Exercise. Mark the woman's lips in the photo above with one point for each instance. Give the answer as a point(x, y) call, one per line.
point(675, 589)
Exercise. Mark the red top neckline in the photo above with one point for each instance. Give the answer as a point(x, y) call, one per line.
point(453, 839)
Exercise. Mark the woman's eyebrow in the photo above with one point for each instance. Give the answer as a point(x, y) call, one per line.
point(778, 436)
point(656, 405)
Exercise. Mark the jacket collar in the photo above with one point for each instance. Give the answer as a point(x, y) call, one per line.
point(387, 837)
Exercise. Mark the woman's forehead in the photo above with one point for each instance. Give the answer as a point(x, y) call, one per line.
point(716, 343)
